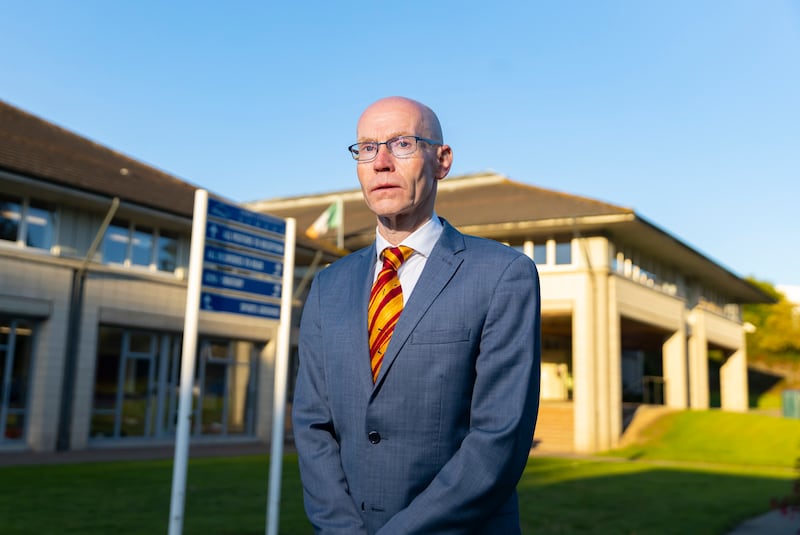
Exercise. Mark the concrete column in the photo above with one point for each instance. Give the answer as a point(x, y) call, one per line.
point(614, 355)
point(673, 351)
point(266, 384)
point(698, 362)
point(733, 381)
point(608, 402)
point(238, 384)
point(584, 378)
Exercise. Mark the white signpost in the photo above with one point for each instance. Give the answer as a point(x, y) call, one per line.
point(241, 262)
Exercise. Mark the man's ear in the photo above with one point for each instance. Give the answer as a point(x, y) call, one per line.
point(444, 156)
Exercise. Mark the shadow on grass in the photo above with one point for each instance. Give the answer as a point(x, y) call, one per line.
point(560, 496)
point(227, 496)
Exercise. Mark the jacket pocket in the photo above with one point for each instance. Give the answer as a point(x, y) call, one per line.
point(442, 336)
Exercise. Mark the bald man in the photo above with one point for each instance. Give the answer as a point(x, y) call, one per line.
point(418, 387)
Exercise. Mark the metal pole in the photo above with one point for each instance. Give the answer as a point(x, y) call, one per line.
point(340, 229)
point(188, 362)
point(281, 368)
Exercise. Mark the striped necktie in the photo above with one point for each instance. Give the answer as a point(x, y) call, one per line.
point(385, 304)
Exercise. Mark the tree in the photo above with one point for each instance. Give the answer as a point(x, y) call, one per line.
point(777, 325)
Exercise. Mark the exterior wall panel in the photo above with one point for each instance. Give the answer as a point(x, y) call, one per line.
point(27, 280)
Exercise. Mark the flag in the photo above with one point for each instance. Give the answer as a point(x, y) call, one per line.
point(330, 218)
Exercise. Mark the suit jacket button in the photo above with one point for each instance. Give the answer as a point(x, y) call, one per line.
point(374, 437)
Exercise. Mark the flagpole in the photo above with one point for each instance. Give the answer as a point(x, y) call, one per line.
point(340, 230)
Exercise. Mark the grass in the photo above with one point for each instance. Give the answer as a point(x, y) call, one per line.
point(689, 478)
point(719, 437)
point(223, 496)
point(561, 496)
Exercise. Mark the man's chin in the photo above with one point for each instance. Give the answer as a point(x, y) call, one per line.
point(386, 208)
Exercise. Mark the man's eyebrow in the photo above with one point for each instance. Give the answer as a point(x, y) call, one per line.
point(391, 136)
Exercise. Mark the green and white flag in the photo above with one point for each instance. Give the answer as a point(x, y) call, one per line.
point(329, 219)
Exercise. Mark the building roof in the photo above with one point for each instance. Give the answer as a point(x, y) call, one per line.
point(494, 206)
point(34, 147)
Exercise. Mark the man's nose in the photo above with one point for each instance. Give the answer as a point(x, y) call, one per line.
point(384, 159)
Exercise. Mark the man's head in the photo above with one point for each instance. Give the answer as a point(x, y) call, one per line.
point(401, 189)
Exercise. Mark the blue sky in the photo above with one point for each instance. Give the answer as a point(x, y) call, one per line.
point(687, 111)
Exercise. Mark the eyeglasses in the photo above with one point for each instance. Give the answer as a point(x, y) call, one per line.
point(399, 146)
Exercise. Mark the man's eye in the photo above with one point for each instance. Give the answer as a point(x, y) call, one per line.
point(403, 143)
point(367, 147)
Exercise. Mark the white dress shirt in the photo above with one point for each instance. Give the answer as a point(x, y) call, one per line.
point(422, 241)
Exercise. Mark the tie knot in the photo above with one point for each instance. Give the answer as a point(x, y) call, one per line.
point(393, 257)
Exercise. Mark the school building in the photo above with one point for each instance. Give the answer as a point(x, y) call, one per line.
point(94, 250)
point(631, 315)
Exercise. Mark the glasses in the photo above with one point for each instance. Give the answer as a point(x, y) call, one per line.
point(399, 146)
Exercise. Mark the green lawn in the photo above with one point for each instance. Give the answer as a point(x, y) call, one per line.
point(662, 494)
point(721, 437)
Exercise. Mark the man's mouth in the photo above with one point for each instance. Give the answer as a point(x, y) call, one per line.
point(381, 187)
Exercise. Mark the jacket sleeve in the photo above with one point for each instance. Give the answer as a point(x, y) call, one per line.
point(329, 506)
point(483, 473)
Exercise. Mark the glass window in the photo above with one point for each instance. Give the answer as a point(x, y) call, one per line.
point(540, 253)
point(142, 250)
point(131, 397)
point(141, 342)
point(10, 217)
point(140, 246)
point(16, 351)
point(40, 219)
point(563, 253)
point(227, 398)
point(137, 385)
point(115, 243)
point(109, 342)
point(167, 253)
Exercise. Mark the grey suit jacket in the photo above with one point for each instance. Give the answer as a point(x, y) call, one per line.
point(439, 442)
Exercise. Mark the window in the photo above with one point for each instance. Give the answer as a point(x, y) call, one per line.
point(551, 252)
point(142, 246)
point(131, 245)
point(115, 244)
point(28, 222)
point(226, 373)
point(136, 377)
point(167, 252)
point(137, 383)
point(10, 218)
point(563, 253)
point(15, 364)
point(540, 253)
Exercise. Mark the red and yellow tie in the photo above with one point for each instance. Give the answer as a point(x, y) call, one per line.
point(385, 304)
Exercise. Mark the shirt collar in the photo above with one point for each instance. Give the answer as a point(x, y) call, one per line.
point(421, 240)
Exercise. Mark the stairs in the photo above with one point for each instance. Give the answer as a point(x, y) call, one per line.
point(555, 427)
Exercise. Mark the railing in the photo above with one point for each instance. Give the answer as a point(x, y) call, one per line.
point(653, 390)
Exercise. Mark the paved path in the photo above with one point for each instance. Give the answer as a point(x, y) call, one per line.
point(772, 523)
point(11, 458)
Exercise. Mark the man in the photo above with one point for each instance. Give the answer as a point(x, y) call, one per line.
point(422, 423)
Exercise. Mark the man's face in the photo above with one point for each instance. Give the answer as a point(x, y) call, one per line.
point(401, 191)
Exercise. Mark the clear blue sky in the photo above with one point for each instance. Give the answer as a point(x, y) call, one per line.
point(687, 111)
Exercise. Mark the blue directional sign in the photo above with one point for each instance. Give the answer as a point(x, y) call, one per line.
point(238, 283)
point(242, 261)
point(239, 215)
point(213, 302)
point(235, 259)
point(227, 234)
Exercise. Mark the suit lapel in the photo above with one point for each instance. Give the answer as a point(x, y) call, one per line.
point(357, 322)
point(439, 269)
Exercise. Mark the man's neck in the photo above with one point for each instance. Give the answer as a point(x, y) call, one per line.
point(395, 233)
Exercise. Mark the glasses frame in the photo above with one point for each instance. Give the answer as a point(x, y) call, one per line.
point(354, 151)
